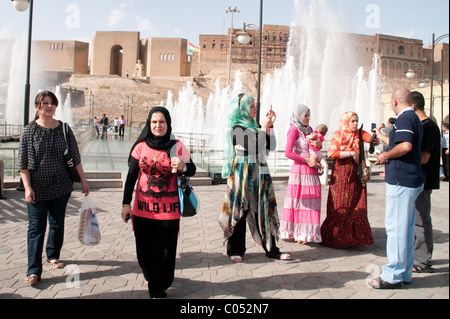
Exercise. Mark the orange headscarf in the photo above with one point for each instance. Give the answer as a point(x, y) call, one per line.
point(344, 139)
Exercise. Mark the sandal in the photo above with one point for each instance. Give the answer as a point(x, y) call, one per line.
point(285, 257)
point(236, 259)
point(419, 269)
point(379, 283)
point(279, 256)
point(32, 279)
point(56, 263)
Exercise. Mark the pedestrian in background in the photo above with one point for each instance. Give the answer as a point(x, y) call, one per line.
point(95, 124)
point(104, 125)
point(47, 182)
point(444, 146)
point(122, 122)
point(116, 125)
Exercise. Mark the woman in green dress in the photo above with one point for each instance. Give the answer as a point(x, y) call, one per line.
point(250, 194)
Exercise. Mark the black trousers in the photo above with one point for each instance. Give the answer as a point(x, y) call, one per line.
point(156, 248)
point(236, 243)
point(445, 162)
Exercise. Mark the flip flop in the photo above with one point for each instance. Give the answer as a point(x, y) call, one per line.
point(419, 269)
point(378, 283)
point(236, 259)
point(285, 257)
point(56, 263)
point(32, 279)
point(279, 256)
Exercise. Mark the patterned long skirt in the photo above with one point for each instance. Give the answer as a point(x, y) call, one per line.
point(250, 187)
point(301, 210)
point(346, 224)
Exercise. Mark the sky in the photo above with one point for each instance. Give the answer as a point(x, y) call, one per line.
point(80, 19)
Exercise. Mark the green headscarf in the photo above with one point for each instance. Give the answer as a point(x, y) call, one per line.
point(239, 115)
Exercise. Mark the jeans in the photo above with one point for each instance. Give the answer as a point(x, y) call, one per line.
point(55, 209)
point(399, 223)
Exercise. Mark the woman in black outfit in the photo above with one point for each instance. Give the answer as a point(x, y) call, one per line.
point(156, 159)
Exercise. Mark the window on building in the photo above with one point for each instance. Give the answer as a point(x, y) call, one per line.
point(401, 50)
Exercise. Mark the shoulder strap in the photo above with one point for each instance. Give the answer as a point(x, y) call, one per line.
point(361, 145)
point(65, 133)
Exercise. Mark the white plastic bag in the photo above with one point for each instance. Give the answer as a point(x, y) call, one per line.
point(89, 230)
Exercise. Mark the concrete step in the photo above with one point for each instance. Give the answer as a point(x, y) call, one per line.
point(99, 180)
point(103, 175)
point(93, 183)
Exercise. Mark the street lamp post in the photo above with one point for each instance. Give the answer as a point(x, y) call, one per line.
point(231, 10)
point(410, 74)
point(244, 38)
point(22, 5)
point(435, 41)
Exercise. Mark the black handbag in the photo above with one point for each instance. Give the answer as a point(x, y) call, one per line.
point(188, 200)
point(69, 159)
point(363, 171)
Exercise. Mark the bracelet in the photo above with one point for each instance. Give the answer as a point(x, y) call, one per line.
point(126, 205)
point(385, 158)
point(83, 179)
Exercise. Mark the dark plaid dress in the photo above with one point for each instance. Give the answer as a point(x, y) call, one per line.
point(41, 151)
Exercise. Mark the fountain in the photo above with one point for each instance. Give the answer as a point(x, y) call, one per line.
point(13, 73)
point(205, 122)
point(319, 72)
point(64, 109)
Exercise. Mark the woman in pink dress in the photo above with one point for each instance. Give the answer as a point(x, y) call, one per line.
point(301, 212)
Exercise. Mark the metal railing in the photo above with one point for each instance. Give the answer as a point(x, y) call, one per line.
point(10, 130)
point(9, 154)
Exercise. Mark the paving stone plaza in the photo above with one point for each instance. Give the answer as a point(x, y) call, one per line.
point(110, 269)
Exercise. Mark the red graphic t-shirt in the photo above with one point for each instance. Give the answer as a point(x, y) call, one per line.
point(156, 195)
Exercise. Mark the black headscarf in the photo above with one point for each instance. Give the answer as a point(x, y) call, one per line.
point(162, 143)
